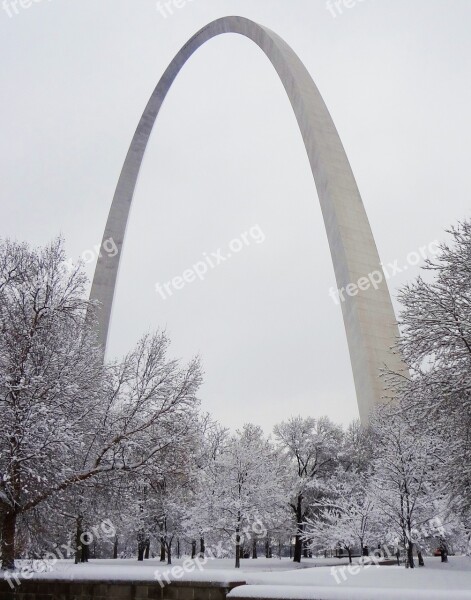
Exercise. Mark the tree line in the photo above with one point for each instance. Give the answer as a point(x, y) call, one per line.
point(83, 441)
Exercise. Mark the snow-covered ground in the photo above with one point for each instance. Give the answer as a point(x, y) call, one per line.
point(435, 581)
point(313, 579)
point(210, 570)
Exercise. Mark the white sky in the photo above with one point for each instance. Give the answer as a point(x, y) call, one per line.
point(226, 155)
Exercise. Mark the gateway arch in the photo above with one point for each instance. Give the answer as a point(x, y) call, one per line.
point(368, 314)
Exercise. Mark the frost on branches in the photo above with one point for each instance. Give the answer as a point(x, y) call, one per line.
point(66, 419)
point(311, 448)
point(436, 345)
point(84, 443)
point(348, 518)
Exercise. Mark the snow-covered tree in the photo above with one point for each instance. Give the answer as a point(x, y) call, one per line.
point(210, 443)
point(312, 449)
point(436, 345)
point(349, 518)
point(50, 370)
point(358, 448)
point(406, 479)
point(247, 486)
point(66, 418)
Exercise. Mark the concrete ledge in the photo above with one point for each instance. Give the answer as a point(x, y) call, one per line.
point(59, 589)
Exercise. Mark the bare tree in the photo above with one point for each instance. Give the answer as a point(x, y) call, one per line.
point(66, 417)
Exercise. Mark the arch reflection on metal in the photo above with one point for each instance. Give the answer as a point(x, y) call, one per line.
point(368, 316)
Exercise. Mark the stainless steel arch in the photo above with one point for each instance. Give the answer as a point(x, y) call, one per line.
point(369, 318)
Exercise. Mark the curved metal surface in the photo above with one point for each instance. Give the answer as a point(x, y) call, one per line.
point(368, 315)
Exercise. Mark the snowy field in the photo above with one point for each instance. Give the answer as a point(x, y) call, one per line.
point(313, 579)
point(149, 570)
point(435, 581)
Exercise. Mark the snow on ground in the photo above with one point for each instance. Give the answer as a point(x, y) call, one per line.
point(435, 581)
point(221, 570)
point(271, 578)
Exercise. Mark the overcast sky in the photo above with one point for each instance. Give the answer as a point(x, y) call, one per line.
point(226, 156)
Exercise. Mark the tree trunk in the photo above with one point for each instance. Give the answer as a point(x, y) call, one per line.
point(115, 547)
point(78, 544)
point(141, 546)
point(169, 552)
point(140, 551)
point(85, 553)
point(267, 548)
point(421, 558)
point(8, 541)
point(443, 552)
point(410, 555)
point(254, 549)
point(202, 547)
point(410, 543)
point(298, 548)
point(147, 548)
point(349, 550)
point(193, 549)
point(162, 550)
point(178, 548)
point(237, 550)
point(298, 544)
